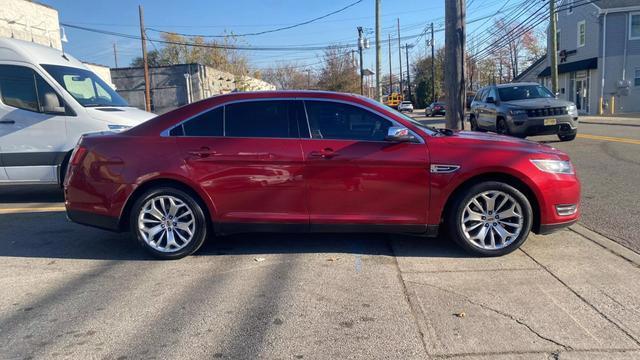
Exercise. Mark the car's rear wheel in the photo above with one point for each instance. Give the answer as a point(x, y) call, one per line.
point(169, 223)
point(568, 137)
point(474, 124)
point(490, 219)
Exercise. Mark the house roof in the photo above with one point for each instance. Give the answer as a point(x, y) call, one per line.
point(531, 67)
point(610, 4)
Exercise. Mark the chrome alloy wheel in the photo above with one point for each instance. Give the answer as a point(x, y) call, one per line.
point(166, 223)
point(492, 220)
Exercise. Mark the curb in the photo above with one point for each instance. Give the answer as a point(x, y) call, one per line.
point(607, 243)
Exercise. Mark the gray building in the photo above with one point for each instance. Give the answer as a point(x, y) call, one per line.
point(175, 85)
point(598, 56)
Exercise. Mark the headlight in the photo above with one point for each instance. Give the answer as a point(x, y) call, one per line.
point(118, 128)
point(572, 110)
point(517, 112)
point(554, 166)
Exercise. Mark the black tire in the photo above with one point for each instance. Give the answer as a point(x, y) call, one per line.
point(455, 212)
point(200, 231)
point(568, 137)
point(474, 124)
point(502, 128)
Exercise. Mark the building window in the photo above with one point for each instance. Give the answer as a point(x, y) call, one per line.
point(558, 40)
point(582, 30)
point(634, 26)
point(636, 80)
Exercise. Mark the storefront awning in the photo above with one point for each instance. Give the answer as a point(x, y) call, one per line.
point(585, 64)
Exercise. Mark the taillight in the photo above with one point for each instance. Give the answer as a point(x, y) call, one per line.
point(78, 154)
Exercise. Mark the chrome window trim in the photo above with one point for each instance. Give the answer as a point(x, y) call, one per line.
point(165, 133)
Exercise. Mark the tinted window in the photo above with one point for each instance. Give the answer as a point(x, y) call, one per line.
point(18, 87)
point(274, 119)
point(206, 124)
point(329, 120)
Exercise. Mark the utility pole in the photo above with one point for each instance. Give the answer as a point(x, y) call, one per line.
point(400, 56)
point(554, 46)
point(390, 69)
point(115, 54)
point(360, 48)
point(378, 52)
point(406, 49)
point(308, 78)
point(454, 11)
point(143, 36)
point(433, 67)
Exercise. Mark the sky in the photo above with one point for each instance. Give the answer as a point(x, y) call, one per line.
point(214, 17)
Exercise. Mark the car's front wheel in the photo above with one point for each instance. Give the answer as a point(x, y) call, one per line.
point(169, 223)
point(567, 137)
point(490, 218)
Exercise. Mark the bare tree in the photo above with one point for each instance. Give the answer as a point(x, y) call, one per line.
point(289, 76)
point(339, 72)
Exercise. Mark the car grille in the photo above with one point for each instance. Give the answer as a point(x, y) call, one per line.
point(547, 112)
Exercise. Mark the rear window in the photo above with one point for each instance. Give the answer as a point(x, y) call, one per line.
point(209, 123)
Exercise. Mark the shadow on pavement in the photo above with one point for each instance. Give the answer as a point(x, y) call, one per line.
point(31, 194)
point(50, 235)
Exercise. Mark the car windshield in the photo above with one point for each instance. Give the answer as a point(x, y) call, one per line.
point(85, 86)
point(522, 92)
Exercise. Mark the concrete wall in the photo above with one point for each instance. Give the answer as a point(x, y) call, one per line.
point(170, 88)
point(30, 21)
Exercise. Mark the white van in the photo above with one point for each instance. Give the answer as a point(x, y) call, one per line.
point(48, 99)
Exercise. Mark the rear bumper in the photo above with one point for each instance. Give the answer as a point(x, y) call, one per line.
point(95, 220)
point(546, 229)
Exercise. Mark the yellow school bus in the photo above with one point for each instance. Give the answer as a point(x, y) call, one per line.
point(392, 100)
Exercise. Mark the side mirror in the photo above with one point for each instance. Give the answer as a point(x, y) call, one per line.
point(557, 95)
point(490, 100)
point(399, 134)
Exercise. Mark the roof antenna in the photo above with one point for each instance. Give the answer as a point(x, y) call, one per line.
point(63, 39)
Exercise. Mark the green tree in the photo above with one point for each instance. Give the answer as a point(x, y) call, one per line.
point(422, 79)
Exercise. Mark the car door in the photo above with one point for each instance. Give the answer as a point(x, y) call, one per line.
point(247, 157)
point(32, 126)
point(477, 106)
point(490, 109)
point(354, 176)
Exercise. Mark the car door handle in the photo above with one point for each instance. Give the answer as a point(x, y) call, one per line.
point(7, 122)
point(203, 152)
point(327, 153)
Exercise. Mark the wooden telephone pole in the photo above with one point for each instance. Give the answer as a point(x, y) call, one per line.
point(400, 56)
point(143, 36)
point(554, 46)
point(454, 62)
point(378, 53)
point(390, 69)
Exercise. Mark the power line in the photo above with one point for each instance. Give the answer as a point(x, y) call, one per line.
point(271, 30)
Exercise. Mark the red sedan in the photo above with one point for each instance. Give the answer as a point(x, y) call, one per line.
point(315, 161)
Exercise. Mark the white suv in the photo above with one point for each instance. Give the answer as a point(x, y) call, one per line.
point(405, 106)
point(48, 100)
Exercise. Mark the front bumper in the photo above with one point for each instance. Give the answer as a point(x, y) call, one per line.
point(565, 125)
point(546, 229)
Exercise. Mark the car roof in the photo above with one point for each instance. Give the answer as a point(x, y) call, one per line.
point(32, 53)
point(516, 84)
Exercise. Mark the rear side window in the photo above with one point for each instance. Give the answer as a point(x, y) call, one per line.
point(330, 120)
point(262, 119)
point(209, 123)
point(18, 87)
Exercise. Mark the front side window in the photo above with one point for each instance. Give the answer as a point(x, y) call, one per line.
point(18, 87)
point(330, 120)
point(262, 119)
point(581, 33)
point(23, 88)
point(85, 86)
point(522, 92)
point(634, 26)
point(636, 80)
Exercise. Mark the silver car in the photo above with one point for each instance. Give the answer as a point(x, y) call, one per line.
point(523, 109)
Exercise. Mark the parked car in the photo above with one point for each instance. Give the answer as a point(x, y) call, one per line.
point(436, 108)
point(523, 109)
point(48, 99)
point(405, 106)
point(315, 161)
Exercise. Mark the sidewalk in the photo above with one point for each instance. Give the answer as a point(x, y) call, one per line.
point(622, 119)
point(562, 296)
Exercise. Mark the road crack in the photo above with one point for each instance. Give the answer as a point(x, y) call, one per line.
point(496, 311)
